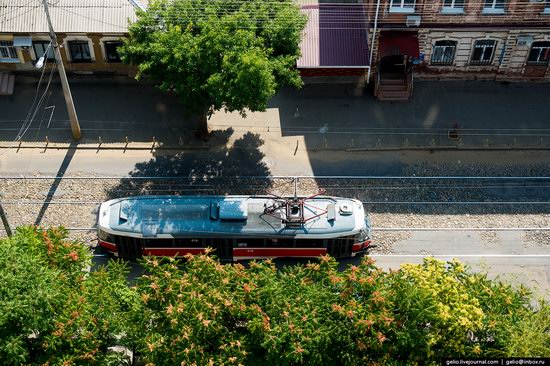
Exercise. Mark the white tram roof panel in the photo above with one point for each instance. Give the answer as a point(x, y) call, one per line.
point(152, 216)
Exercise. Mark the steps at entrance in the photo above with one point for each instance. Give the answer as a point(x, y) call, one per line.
point(393, 95)
point(393, 87)
point(389, 87)
point(392, 76)
point(393, 82)
point(6, 83)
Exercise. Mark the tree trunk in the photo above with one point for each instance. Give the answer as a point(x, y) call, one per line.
point(201, 131)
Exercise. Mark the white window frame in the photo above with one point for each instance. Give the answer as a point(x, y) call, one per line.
point(399, 6)
point(435, 46)
point(450, 7)
point(8, 52)
point(539, 47)
point(481, 62)
point(546, 7)
point(492, 7)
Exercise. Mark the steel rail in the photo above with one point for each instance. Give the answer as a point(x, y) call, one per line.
point(377, 177)
point(364, 202)
point(461, 229)
point(400, 229)
point(457, 203)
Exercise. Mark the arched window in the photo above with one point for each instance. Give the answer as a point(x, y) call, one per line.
point(443, 53)
point(539, 54)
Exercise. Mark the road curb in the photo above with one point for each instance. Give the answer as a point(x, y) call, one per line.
point(106, 146)
point(138, 146)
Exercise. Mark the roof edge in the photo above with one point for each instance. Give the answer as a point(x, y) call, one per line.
point(137, 5)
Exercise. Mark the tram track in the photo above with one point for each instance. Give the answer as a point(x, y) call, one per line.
point(399, 206)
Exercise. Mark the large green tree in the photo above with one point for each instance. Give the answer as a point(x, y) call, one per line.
point(230, 54)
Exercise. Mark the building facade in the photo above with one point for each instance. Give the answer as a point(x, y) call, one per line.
point(462, 39)
point(88, 34)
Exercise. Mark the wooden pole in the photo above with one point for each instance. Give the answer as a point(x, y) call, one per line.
point(73, 118)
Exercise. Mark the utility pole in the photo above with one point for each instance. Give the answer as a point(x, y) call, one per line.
point(75, 126)
point(5, 220)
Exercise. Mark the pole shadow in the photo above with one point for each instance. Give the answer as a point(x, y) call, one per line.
point(57, 181)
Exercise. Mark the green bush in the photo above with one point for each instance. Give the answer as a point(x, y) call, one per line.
point(202, 312)
point(52, 311)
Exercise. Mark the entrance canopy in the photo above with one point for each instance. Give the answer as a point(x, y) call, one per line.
point(398, 43)
point(335, 36)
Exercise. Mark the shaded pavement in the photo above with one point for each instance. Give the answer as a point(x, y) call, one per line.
point(453, 114)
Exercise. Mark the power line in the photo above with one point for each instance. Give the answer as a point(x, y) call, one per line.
point(92, 19)
point(357, 24)
point(27, 122)
point(17, 7)
point(18, 15)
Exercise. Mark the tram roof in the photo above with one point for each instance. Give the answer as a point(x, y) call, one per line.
point(160, 216)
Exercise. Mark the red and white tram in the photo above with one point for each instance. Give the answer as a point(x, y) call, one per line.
point(237, 227)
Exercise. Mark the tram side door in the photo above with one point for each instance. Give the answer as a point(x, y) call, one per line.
point(224, 249)
point(128, 247)
point(340, 247)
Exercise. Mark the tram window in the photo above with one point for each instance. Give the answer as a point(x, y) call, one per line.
point(158, 243)
point(249, 243)
point(280, 243)
point(190, 242)
point(309, 243)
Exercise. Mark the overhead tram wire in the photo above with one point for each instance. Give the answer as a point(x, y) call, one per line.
point(385, 130)
point(268, 2)
point(17, 16)
point(239, 4)
point(17, 7)
point(354, 24)
point(348, 21)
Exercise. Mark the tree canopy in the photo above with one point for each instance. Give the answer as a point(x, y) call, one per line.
point(230, 54)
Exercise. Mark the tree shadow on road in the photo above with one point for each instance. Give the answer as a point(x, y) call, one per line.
point(221, 170)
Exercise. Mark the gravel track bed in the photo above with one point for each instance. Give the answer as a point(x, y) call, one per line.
point(92, 191)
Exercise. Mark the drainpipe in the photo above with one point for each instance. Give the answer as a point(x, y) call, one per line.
point(373, 39)
point(501, 58)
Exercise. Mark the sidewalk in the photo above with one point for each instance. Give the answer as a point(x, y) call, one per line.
point(441, 115)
